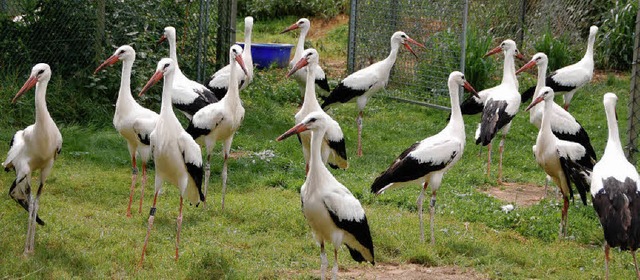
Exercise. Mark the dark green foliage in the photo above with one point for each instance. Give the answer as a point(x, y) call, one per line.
point(279, 8)
point(557, 50)
point(477, 69)
point(615, 37)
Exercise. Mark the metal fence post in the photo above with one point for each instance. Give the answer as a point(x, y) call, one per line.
point(634, 96)
point(523, 13)
point(200, 36)
point(351, 50)
point(463, 42)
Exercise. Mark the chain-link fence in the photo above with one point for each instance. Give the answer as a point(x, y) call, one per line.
point(633, 129)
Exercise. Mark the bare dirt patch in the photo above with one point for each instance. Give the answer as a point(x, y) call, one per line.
point(519, 194)
point(321, 26)
point(408, 271)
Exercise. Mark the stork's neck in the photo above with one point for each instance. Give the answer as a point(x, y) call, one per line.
point(310, 100)
point(613, 143)
point(166, 108)
point(317, 170)
point(589, 53)
point(391, 59)
point(509, 71)
point(124, 95)
point(300, 46)
point(172, 49)
point(42, 113)
point(545, 127)
point(542, 76)
point(232, 98)
point(247, 39)
point(456, 115)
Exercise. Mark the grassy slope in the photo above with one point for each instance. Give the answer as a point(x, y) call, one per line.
point(262, 232)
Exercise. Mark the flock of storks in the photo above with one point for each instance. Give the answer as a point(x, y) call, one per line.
point(215, 113)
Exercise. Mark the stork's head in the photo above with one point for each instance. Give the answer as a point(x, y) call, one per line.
point(593, 30)
point(303, 24)
point(546, 95)
point(248, 23)
point(41, 72)
point(168, 34)
point(165, 66)
point(309, 56)
point(508, 47)
point(404, 39)
point(458, 78)
point(124, 52)
point(315, 121)
point(235, 53)
point(610, 99)
point(540, 59)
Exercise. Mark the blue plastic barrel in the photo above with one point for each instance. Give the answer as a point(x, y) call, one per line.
point(266, 54)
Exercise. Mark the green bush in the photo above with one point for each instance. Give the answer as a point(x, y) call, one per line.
point(478, 69)
point(615, 42)
point(557, 49)
point(279, 8)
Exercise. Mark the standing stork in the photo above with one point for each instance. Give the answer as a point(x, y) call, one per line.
point(131, 120)
point(363, 83)
point(563, 124)
point(334, 150)
point(570, 78)
point(220, 121)
point(188, 96)
point(427, 161)
point(177, 157)
point(332, 212)
point(501, 104)
point(219, 81)
point(301, 76)
point(564, 161)
point(615, 192)
point(34, 148)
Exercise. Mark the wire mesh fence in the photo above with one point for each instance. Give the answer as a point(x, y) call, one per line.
point(633, 129)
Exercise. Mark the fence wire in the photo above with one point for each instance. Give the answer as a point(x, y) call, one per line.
point(633, 128)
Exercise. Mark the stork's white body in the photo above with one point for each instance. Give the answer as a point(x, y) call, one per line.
point(34, 148)
point(219, 81)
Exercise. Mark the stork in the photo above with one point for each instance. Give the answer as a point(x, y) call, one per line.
point(131, 120)
point(334, 150)
point(219, 81)
point(220, 121)
point(188, 96)
point(177, 157)
point(363, 83)
point(563, 124)
point(427, 161)
point(301, 76)
point(615, 192)
point(564, 161)
point(570, 79)
point(332, 212)
point(501, 105)
point(34, 148)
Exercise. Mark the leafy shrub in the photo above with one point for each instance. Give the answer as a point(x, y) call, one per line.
point(557, 49)
point(477, 68)
point(615, 42)
point(280, 8)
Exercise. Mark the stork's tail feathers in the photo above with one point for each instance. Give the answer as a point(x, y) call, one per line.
point(23, 197)
point(581, 177)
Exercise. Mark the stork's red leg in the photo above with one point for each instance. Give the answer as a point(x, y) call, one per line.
point(144, 185)
point(606, 260)
point(432, 213)
point(635, 263)
point(489, 160)
point(134, 178)
point(207, 174)
point(359, 122)
point(152, 214)
point(179, 222)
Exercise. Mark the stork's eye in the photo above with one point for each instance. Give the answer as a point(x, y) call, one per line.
point(463, 77)
point(166, 65)
point(312, 120)
point(40, 72)
point(121, 52)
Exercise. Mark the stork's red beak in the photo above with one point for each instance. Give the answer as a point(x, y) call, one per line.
point(241, 63)
point(30, 83)
point(292, 27)
point(110, 61)
point(521, 57)
point(468, 87)
point(529, 65)
point(294, 130)
point(154, 79)
point(409, 40)
point(162, 39)
point(493, 51)
point(301, 63)
point(535, 102)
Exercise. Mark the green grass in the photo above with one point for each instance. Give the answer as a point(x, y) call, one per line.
point(262, 233)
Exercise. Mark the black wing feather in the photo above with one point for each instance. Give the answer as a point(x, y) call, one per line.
point(196, 172)
point(471, 106)
point(494, 117)
point(323, 84)
point(617, 206)
point(342, 94)
point(360, 230)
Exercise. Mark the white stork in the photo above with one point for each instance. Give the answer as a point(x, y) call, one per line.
point(34, 148)
point(570, 78)
point(301, 76)
point(363, 83)
point(332, 212)
point(427, 161)
point(563, 124)
point(131, 120)
point(564, 161)
point(501, 104)
point(220, 121)
point(334, 150)
point(177, 157)
point(219, 81)
point(188, 96)
point(615, 192)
